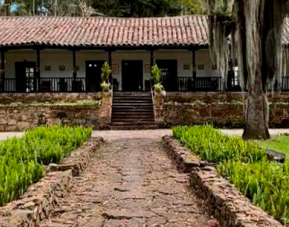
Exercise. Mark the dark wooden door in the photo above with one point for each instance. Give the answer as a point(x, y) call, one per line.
point(169, 70)
point(25, 76)
point(93, 75)
point(132, 75)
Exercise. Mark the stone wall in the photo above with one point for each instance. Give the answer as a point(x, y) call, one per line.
point(40, 200)
point(19, 112)
point(221, 109)
point(47, 97)
point(223, 200)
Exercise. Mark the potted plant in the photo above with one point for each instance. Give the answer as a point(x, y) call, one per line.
point(105, 86)
point(105, 73)
point(158, 87)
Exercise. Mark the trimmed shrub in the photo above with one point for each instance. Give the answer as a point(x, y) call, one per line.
point(245, 165)
point(23, 160)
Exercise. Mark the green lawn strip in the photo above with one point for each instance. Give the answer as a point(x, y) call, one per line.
point(279, 143)
point(245, 164)
point(23, 160)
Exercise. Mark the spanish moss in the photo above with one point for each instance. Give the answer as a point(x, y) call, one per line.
point(250, 33)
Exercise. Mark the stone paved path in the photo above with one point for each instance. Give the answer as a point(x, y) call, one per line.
point(130, 182)
point(233, 132)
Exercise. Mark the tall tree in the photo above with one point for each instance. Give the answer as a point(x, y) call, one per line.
point(5, 6)
point(47, 7)
point(138, 8)
point(256, 25)
point(191, 7)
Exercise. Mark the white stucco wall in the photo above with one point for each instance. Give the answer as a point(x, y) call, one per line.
point(56, 58)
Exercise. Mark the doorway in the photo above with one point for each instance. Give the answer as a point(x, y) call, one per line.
point(169, 70)
point(25, 76)
point(93, 75)
point(132, 75)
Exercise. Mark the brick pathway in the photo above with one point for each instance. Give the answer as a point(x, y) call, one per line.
point(130, 182)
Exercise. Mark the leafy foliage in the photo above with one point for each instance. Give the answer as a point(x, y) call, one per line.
point(105, 72)
point(266, 184)
point(192, 7)
point(22, 160)
point(158, 88)
point(156, 74)
point(119, 8)
point(47, 7)
point(246, 166)
point(138, 8)
point(213, 146)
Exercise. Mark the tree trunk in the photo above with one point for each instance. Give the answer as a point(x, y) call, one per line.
point(253, 39)
point(257, 117)
point(258, 31)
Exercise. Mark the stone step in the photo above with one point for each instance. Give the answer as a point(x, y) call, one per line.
point(132, 101)
point(130, 94)
point(132, 98)
point(135, 107)
point(132, 121)
point(133, 127)
point(132, 118)
point(132, 104)
point(132, 110)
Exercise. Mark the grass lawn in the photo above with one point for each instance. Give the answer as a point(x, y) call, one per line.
point(279, 143)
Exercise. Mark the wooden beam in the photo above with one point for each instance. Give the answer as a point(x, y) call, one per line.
point(74, 64)
point(37, 76)
point(110, 65)
point(151, 66)
point(2, 67)
point(74, 72)
point(194, 67)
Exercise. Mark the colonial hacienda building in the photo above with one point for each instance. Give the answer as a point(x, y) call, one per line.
point(44, 59)
point(65, 54)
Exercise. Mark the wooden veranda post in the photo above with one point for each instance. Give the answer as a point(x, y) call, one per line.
point(151, 65)
point(2, 69)
point(194, 68)
point(74, 72)
point(37, 70)
point(110, 65)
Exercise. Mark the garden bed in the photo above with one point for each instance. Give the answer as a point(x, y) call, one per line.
point(245, 165)
point(38, 201)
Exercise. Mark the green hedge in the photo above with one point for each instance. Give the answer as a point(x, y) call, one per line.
point(23, 160)
point(213, 146)
point(246, 166)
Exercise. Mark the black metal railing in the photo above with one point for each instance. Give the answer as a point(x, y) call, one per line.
point(199, 84)
point(48, 84)
point(57, 84)
point(208, 84)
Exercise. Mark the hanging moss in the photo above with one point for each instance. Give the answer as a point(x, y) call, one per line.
point(250, 31)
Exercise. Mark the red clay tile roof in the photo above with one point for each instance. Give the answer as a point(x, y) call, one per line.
point(104, 32)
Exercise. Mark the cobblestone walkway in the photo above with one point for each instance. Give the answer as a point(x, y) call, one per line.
point(131, 182)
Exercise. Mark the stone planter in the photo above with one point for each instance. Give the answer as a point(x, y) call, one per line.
point(223, 200)
point(40, 199)
point(105, 110)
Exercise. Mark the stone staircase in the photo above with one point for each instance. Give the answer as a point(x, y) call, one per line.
point(132, 110)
